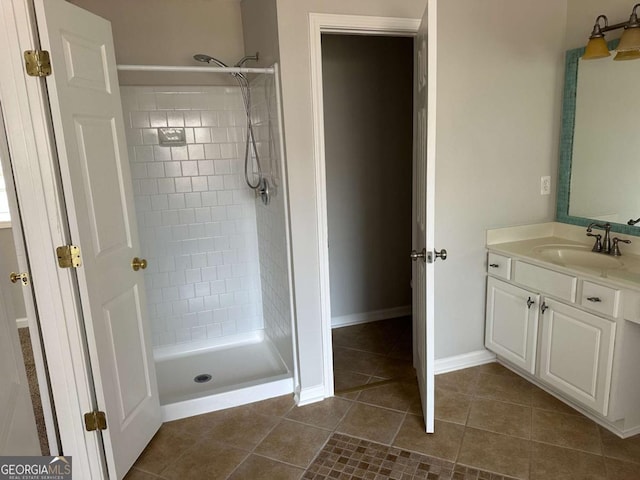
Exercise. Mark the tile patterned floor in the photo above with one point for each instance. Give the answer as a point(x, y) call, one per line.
point(487, 418)
point(345, 457)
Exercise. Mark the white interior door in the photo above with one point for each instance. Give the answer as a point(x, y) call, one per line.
point(27, 292)
point(89, 132)
point(18, 433)
point(423, 228)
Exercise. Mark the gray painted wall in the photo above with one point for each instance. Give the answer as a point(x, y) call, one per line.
point(170, 32)
point(368, 111)
point(500, 71)
point(260, 30)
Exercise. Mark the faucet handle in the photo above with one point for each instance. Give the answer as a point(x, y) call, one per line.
point(615, 250)
point(597, 247)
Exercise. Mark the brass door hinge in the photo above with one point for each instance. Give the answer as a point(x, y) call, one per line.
point(68, 256)
point(37, 63)
point(95, 421)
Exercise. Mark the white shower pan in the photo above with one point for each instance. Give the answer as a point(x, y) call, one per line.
point(240, 373)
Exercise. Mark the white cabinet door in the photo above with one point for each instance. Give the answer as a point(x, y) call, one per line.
point(576, 354)
point(89, 132)
point(512, 323)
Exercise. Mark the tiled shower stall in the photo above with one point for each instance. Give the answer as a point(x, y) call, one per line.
point(218, 281)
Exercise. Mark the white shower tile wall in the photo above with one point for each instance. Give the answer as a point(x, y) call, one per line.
point(196, 217)
point(271, 220)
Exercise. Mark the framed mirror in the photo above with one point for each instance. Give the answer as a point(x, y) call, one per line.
point(599, 172)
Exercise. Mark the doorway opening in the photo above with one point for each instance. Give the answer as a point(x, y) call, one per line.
point(367, 83)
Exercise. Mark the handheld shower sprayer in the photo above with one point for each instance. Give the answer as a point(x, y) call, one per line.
point(262, 185)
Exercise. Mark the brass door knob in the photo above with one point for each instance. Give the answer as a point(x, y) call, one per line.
point(19, 277)
point(138, 263)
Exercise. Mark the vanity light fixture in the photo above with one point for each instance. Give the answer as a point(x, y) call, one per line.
point(597, 46)
point(629, 46)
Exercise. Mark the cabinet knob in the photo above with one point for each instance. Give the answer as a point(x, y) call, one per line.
point(529, 302)
point(594, 299)
point(543, 307)
point(494, 265)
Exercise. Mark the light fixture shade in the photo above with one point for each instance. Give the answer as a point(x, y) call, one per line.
point(630, 40)
point(596, 48)
point(633, 55)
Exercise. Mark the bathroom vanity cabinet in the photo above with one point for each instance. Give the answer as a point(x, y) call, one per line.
point(574, 332)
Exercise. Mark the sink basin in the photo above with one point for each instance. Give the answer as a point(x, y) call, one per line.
point(577, 256)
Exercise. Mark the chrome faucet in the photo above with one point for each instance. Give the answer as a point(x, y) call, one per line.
point(602, 245)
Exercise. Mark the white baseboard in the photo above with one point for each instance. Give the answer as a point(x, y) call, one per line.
point(630, 433)
point(22, 322)
point(366, 317)
point(310, 395)
point(466, 360)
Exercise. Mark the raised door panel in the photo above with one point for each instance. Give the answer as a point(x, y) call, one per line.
point(577, 354)
point(512, 323)
point(125, 334)
point(104, 190)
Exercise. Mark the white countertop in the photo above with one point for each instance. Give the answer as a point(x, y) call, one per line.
point(625, 274)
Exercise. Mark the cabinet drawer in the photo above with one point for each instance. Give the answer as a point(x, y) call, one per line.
point(546, 281)
point(499, 265)
point(600, 298)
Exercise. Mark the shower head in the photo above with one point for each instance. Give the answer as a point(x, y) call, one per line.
point(201, 57)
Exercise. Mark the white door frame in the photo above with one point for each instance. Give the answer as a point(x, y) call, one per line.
point(320, 23)
point(34, 162)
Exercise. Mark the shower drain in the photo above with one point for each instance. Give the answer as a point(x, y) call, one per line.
point(202, 378)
